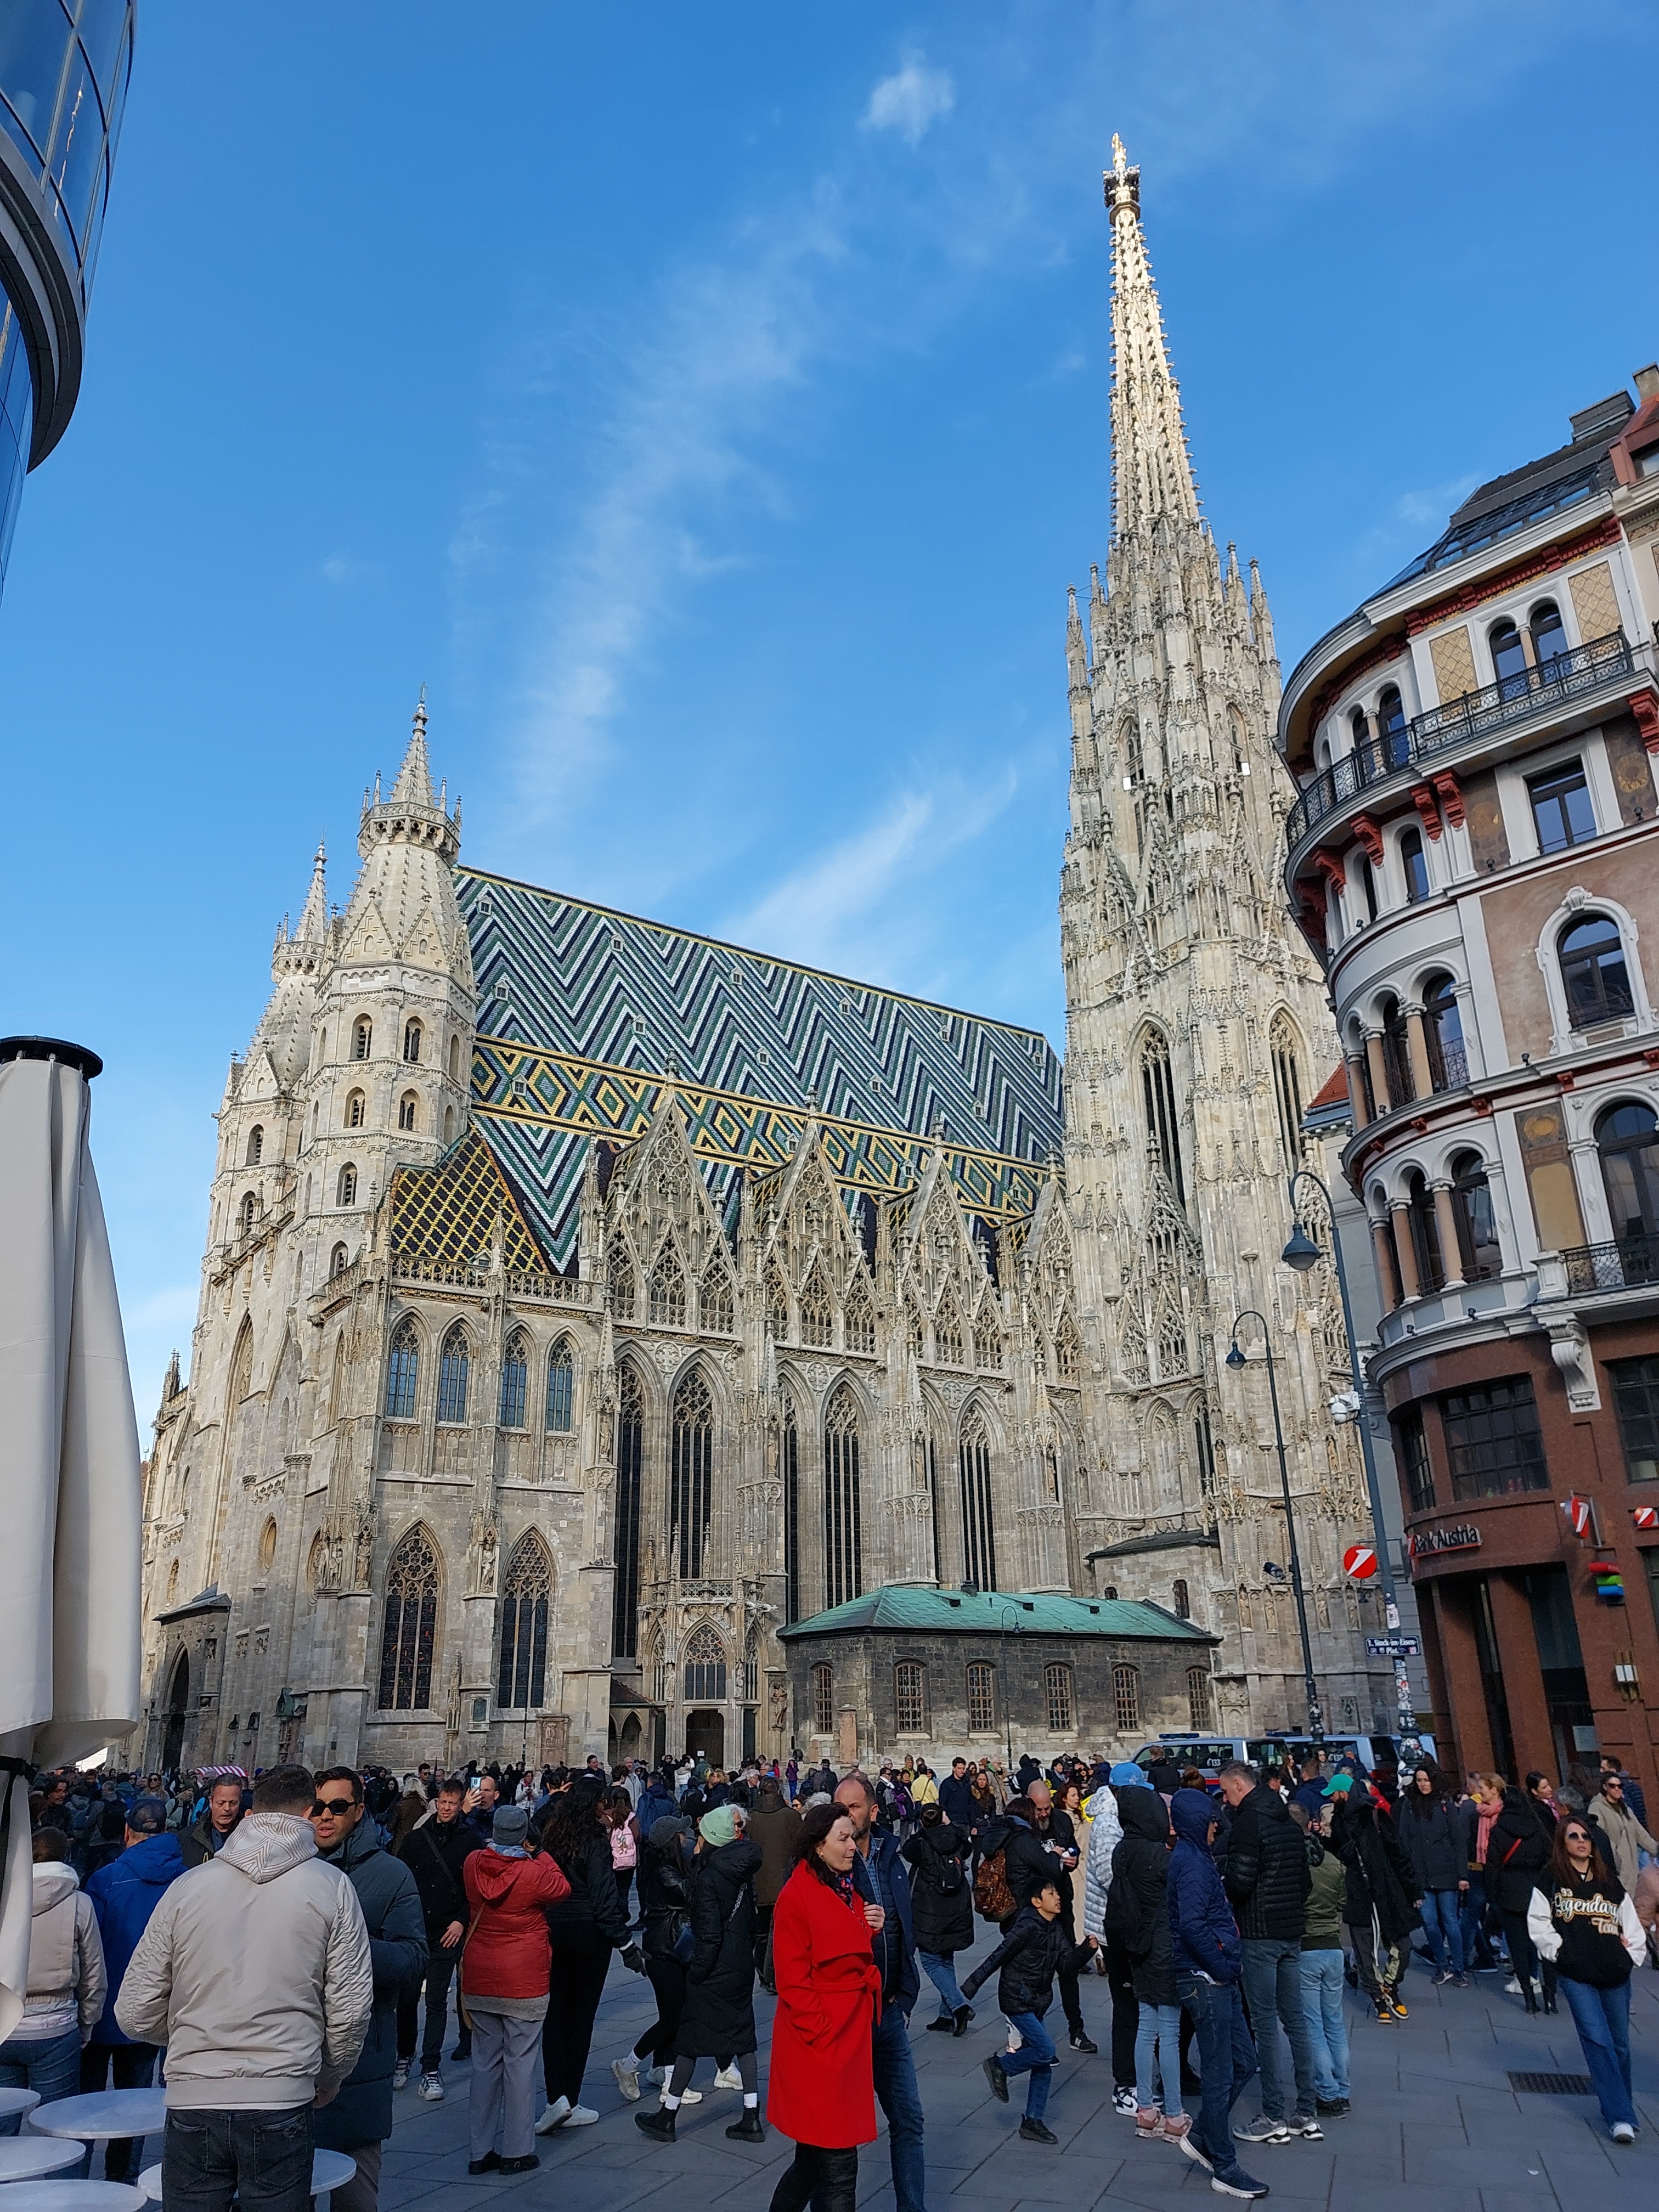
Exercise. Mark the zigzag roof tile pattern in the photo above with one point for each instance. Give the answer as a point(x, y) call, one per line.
point(586, 1016)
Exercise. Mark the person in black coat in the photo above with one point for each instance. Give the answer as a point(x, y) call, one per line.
point(942, 1904)
point(1037, 1839)
point(1381, 1894)
point(719, 2018)
point(435, 1850)
point(1037, 1948)
point(1137, 1917)
point(1432, 1829)
point(1266, 1875)
point(583, 1928)
point(665, 1883)
point(1517, 1850)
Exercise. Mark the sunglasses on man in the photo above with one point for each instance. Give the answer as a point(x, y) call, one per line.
point(339, 1806)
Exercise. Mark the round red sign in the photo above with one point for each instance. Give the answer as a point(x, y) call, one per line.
point(1359, 1560)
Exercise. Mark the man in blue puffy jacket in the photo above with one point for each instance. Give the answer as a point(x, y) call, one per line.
point(124, 1895)
point(1208, 1961)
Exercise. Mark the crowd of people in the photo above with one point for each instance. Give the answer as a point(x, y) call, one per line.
point(1227, 1915)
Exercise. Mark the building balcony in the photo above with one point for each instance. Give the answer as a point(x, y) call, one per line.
point(1605, 664)
point(1628, 1263)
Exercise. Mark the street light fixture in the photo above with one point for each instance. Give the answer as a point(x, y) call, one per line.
point(1237, 1360)
point(1302, 1254)
point(1002, 1656)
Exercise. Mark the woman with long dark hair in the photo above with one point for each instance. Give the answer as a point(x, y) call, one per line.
point(821, 2090)
point(1517, 1853)
point(1433, 1830)
point(585, 1928)
point(1582, 1923)
point(717, 2020)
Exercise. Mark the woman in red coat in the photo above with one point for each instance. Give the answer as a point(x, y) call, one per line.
point(504, 1988)
point(821, 2090)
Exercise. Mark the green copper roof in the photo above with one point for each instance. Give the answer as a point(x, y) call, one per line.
point(991, 1612)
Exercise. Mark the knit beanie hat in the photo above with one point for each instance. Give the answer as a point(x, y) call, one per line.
point(719, 1826)
point(510, 1825)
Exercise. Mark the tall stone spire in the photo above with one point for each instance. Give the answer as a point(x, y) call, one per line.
point(414, 783)
point(1152, 474)
point(313, 919)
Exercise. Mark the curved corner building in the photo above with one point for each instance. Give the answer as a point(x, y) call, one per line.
point(63, 70)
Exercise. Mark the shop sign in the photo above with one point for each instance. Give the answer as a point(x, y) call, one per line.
point(1425, 1542)
point(1645, 1516)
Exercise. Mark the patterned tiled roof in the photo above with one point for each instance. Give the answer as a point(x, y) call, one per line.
point(442, 1216)
point(586, 1016)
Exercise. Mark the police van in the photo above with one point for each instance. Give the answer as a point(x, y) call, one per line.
point(1279, 1747)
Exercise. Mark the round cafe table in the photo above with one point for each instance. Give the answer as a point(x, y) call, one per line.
point(330, 2169)
point(73, 2197)
point(28, 2157)
point(103, 2115)
point(13, 2101)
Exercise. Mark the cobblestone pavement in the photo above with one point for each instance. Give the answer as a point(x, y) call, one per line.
point(1433, 2111)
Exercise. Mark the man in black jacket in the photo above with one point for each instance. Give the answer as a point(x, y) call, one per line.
point(435, 1850)
point(1267, 1879)
point(958, 1799)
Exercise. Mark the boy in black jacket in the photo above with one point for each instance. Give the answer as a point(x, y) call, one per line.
point(1036, 1948)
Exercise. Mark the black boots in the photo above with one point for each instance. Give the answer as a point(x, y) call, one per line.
point(749, 2128)
point(959, 2023)
point(658, 2126)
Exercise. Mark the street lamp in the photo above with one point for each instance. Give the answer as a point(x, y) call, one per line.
point(1302, 1253)
point(1002, 1669)
point(1237, 1362)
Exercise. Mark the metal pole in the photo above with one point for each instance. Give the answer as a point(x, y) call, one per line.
point(1316, 1717)
point(1007, 1715)
point(1405, 1706)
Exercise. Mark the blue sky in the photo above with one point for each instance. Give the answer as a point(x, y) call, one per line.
point(709, 406)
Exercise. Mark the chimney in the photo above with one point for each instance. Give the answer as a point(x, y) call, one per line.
point(1646, 381)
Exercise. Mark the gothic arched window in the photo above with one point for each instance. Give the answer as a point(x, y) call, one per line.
point(561, 1387)
point(777, 1304)
point(256, 1145)
point(521, 1669)
point(1287, 1088)
point(714, 1303)
point(356, 1108)
point(407, 1106)
point(979, 1549)
point(843, 1532)
point(454, 1364)
point(242, 1366)
point(818, 1311)
point(516, 1375)
point(403, 1371)
point(247, 1213)
point(630, 1452)
point(666, 1303)
point(690, 1491)
point(705, 1667)
point(789, 1472)
point(1068, 1350)
point(947, 1335)
point(1197, 1699)
point(622, 1280)
point(1183, 1603)
point(1163, 1123)
point(409, 1633)
point(988, 1340)
point(411, 1042)
point(345, 1190)
point(362, 1037)
point(860, 1320)
point(1126, 1697)
point(824, 1698)
point(337, 1260)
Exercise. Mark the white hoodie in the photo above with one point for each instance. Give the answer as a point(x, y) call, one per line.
point(255, 1972)
point(67, 1979)
point(1105, 1834)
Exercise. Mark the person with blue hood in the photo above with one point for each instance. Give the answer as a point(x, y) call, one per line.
point(1208, 1961)
point(124, 1895)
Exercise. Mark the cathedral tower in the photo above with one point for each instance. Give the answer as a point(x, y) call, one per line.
point(1196, 1029)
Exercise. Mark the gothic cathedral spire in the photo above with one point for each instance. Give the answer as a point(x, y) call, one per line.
point(1152, 473)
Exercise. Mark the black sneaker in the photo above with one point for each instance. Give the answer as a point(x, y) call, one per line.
point(525, 2165)
point(961, 2022)
point(1330, 2108)
point(945, 2025)
point(1308, 2128)
point(1082, 2043)
point(488, 2164)
point(660, 2125)
point(1034, 2131)
point(1190, 2149)
point(992, 2069)
point(1233, 2181)
point(749, 2128)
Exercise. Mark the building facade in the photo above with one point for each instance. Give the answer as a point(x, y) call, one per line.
point(63, 70)
point(586, 1300)
point(1471, 855)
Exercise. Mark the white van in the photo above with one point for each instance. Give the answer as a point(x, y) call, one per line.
point(1210, 1753)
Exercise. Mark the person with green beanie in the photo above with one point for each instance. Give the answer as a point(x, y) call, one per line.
point(719, 2018)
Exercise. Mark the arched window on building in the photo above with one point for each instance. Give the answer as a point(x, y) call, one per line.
point(1414, 866)
point(356, 1109)
point(521, 1659)
point(1397, 1053)
point(256, 1146)
point(705, 1667)
point(860, 1319)
point(449, 1125)
point(1424, 1233)
point(411, 1042)
point(988, 1340)
point(337, 1260)
point(1287, 1088)
point(454, 1364)
point(1478, 1251)
point(362, 1037)
point(454, 1060)
point(407, 1106)
point(1158, 1098)
point(630, 1454)
point(267, 1546)
point(1361, 873)
point(666, 1299)
point(1593, 972)
point(403, 1370)
point(345, 1189)
point(1183, 1603)
point(690, 1492)
point(843, 1531)
point(1057, 1693)
point(1359, 729)
point(978, 1548)
point(909, 1697)
point(622, 1280)
point(947, 1333)
point(408, 1632)
point(1443, 1028)
point(915, 1328)
point(714, 1306)
point(1549, 639)
point(1508, 660)
point(982, 1697)
point(777, 1304)
point(823, 1701)
point(247, 1213)
point(515, 1377)
point(1391, 726)
point(1126, 1697)
point(561, 1387)
point(1068, 1350)
point(789, 1474)
point(817, 1310)
point(1627, 1138)
point(1197, 1699)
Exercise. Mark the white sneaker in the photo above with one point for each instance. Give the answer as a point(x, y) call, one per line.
point(728, 2078)
point(553, 2116)
point(1512, 1987)
point(627, 2071)
point(1124, 2101)
point(691, 2096)
point(1622, 2131)
point(400, 2075)
point(580, 2116)
point(431, 2089)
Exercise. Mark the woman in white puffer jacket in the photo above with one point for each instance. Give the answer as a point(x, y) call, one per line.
point(66, 1985)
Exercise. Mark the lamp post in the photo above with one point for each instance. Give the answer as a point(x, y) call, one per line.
point(1236, 1361)
point(1302, 1254)
point(1002, 1669)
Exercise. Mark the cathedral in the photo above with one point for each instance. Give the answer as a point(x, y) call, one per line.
point(612, 1339)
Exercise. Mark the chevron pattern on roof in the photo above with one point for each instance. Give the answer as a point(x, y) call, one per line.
point(587, 1014)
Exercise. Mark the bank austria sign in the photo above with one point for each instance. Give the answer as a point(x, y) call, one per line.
point(1427, 1542)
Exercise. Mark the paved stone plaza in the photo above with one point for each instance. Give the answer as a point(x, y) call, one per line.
point(1433, 2113)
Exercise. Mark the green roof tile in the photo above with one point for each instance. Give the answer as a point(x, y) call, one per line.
point(990, 1611)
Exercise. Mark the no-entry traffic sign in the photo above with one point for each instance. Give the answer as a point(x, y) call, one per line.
point(1359, 1562)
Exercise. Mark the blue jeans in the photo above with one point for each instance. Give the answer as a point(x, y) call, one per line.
point(901, 2099)
point(1160, 2027)
point(51, 2066)
point(1442, 1924)
point(1226, 2059)
point(1328, 2030)
point(1272, 1984)
point(263, 2156)
point(1602, 2019)
point(1035, 2056)
point(937, 1966)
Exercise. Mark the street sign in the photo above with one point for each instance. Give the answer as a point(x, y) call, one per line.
point(1394, 1647)
point(1359, 1562)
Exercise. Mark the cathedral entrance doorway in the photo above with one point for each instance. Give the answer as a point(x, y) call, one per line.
point(173, 1737)
point(705, 1734)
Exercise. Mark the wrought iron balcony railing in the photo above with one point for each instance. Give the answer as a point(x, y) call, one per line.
point(1625, 1265)
point(1460, 722)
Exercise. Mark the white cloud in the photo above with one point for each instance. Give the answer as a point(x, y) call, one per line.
point(908, 100)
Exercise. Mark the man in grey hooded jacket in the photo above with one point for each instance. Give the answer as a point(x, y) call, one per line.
point(255, 1972)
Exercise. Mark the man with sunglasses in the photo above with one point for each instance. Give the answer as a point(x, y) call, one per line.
point(1626, 1837)
point(360, 2118)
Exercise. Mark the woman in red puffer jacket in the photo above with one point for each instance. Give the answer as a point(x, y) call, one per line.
point(504, 1985)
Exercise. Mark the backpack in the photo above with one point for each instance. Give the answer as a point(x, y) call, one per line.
point(949, 1879)
point(992, 1898)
